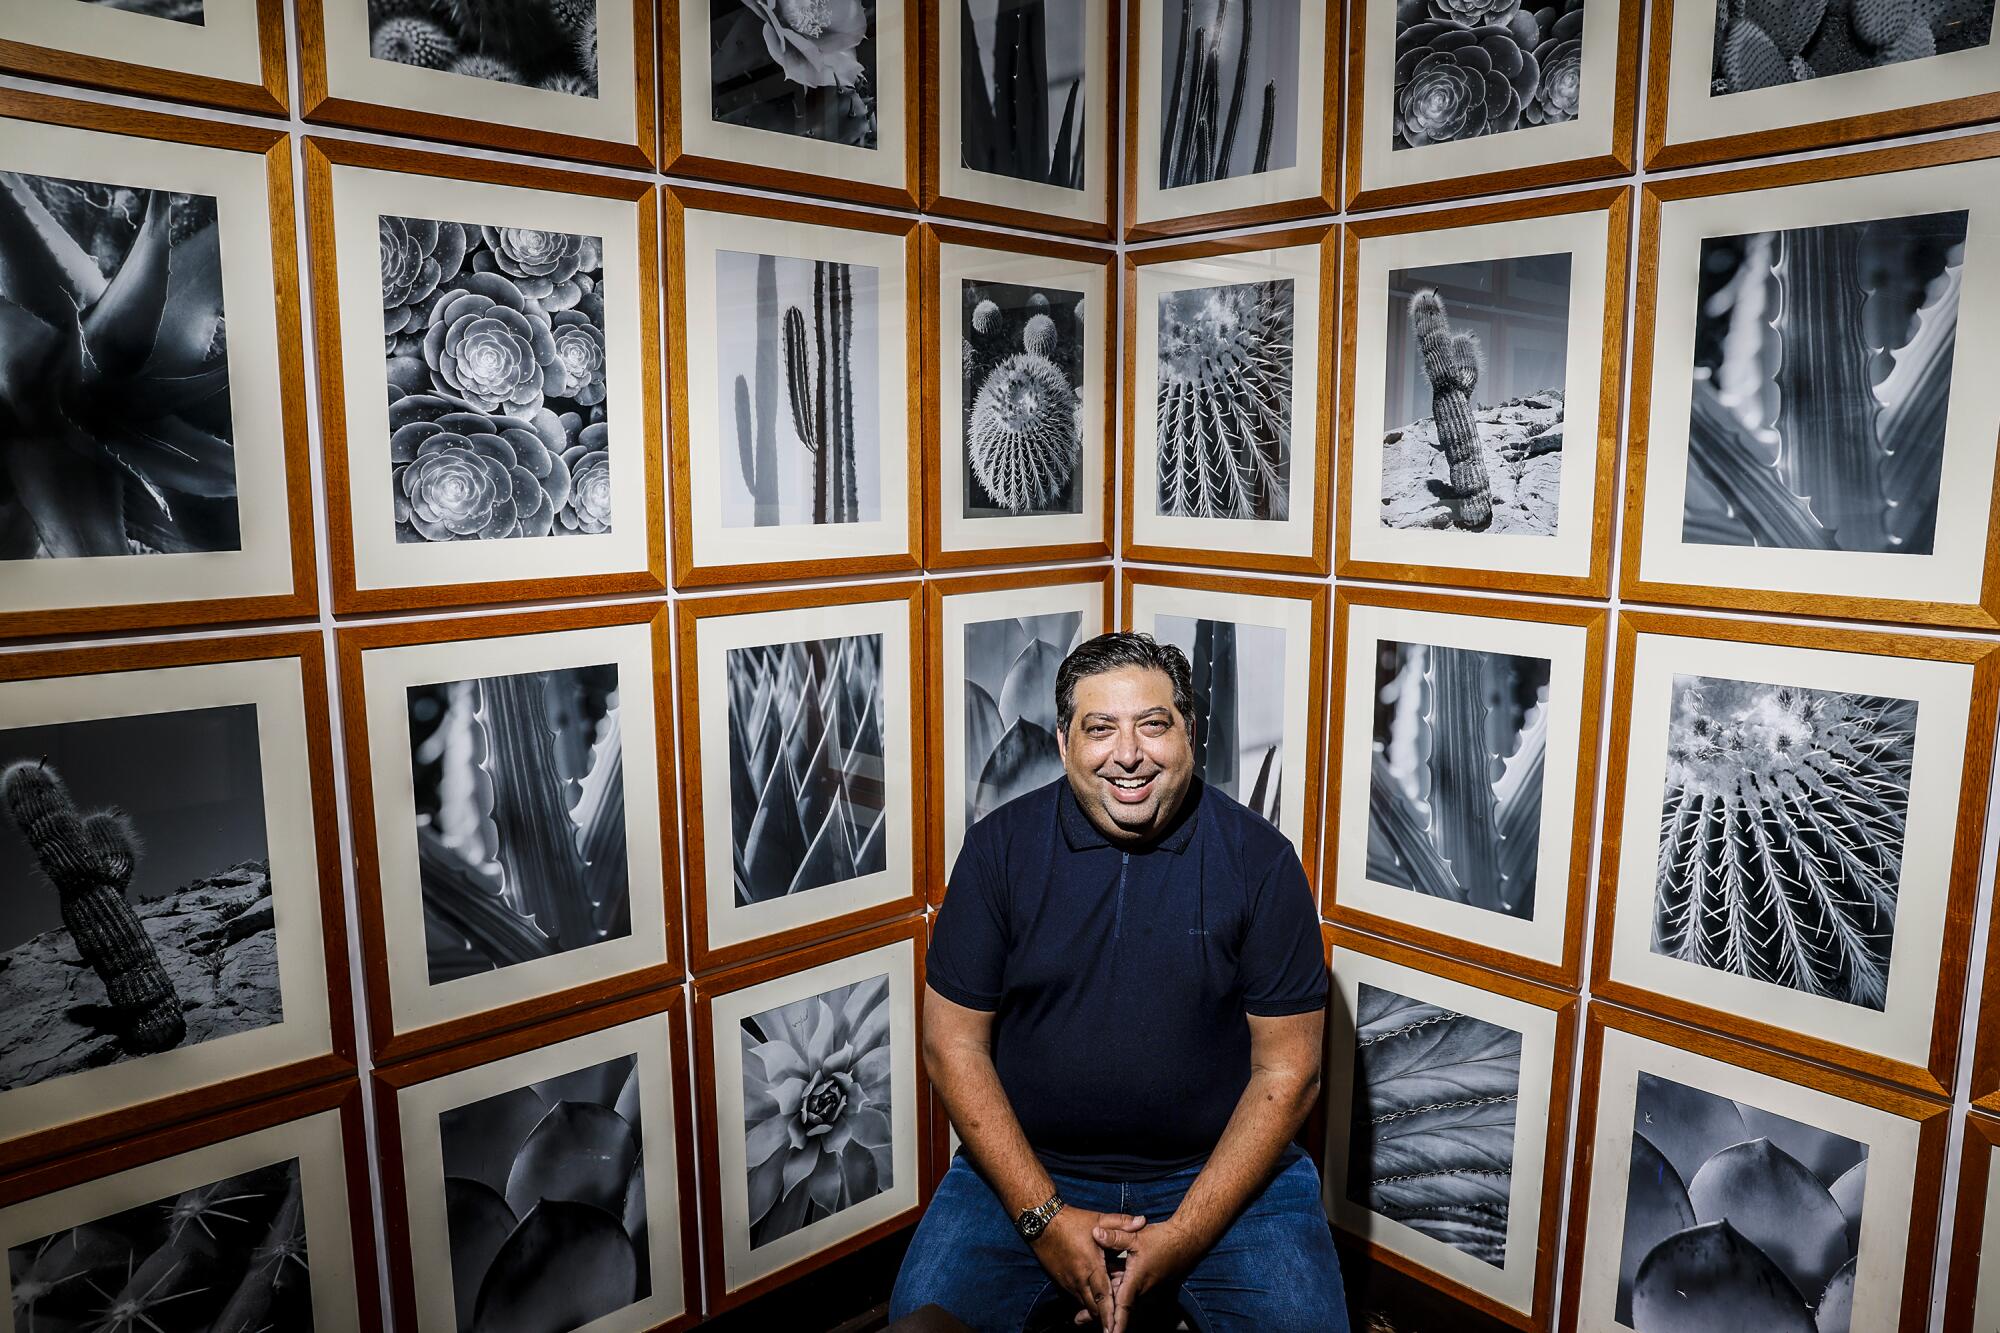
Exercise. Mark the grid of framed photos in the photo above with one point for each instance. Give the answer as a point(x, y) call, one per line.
point(773, 394)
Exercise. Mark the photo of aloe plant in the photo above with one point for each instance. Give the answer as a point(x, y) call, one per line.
point(1239, 705)
point(1470, 68)
point(1224, 405)
point(800, 67)
point(1021, 365)
point(1430, 1143)
point(1229, 89)
point(1770, 43)
point(1021, 89)
point(1781, 834)
point(180, 11)
point(140, 916)
point(225, 1257)
point(1736, 1217)
point(806, 765)
point(1010, 706)
point(545, 44)
point(1459, 754)
point(1823, 365)
point(545, 1201)
point(116, 436)
point(817, 1131)
point(519, 788)
point(798, 367)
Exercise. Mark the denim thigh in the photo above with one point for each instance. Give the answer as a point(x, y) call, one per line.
point(1274, 1270)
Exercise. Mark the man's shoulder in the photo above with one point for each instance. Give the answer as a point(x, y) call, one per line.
point(1031, 811)
point(1233, 825)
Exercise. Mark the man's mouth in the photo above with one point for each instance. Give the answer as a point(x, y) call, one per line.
point(1131, 791)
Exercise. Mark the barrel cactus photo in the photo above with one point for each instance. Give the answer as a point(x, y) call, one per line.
point(1229, 89)
point(1022, 376)
point(1224, 401)
point(1770, 43)
point(546, 44)
point(1469, 68)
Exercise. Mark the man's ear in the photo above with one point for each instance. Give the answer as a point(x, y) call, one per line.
point(1062, 742)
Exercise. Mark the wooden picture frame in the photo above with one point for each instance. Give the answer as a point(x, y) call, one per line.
point(344, 83)
point(236, 65)
point(702, 227)
point(270, 574)
point(407, 1012)
point(1952, 494)
point(1537, 1256)
point(955, 189)
point(1985, 1091)
point(631, 1027)
point(1308, 188)
point(141, 1170)
point(1975, 1248)
point(371, 562)
point(1296, 544)
point(1934, 930)
point(1842, 112)
point(1507, 239)
point(1549, 948)
point(1585, 147)
point(989, 260)
point(1916, 1165)
point(841, 965)
point(1301, 678)
point(693, 144)
point(59, 1114)
point(1036, 594)
point(780, 620)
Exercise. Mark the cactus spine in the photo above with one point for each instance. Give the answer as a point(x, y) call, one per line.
point(1451, 363)
point(89, 860)
point(756, 422)
point(819, 383)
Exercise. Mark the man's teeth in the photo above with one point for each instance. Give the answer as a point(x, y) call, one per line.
point(1130, 783)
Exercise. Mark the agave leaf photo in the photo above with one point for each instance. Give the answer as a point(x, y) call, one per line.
point(1224, 401)
point(1010, 706)
point(1022, 369)
point(1021, 89)
point(1239, 705)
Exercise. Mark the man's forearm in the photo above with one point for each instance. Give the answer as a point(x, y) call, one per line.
point(970, 1088)
point(1273, 1106)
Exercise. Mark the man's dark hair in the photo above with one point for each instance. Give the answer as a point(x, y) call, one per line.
point(1124, 648)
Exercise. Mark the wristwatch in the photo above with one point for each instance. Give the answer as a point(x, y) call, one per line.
point(1035, 1221)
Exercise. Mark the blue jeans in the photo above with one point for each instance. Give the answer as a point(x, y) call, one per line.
point(1273, 1271)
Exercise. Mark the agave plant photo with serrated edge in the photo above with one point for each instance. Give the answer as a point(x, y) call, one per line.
point(520, 817)
point(1010, 706)
point(545, 1202)
point(1460, 749)
point(1431, 1138)
point(1781, 834)
point(806, 765)
point(1737, 1218)
point(1224, 401)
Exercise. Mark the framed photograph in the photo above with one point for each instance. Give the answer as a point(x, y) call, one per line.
point(1232, 341)
point(1730, 82)
point(815, 1130)
point(1232, 114)
point(1018, 399)
point(545, 1179)
point(1811, 430)
point(1018, 105)
point(1258, 649)
point(220, 53)
point(561, 78)
point(1793, 830)
point(1465, 742)
point(255, 1219)
point(994, 644)
point(802, 754)
point(1480, 343)
point(1716, 1185)
point(171, 846)
point(1450, 98)
point(794, 333)
point(154, 467)
point(513, 803)
point(1972, 1296)
point(821, 99)
point(1447, 1106)
point(509, 449)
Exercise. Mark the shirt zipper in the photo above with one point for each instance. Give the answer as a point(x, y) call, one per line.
point(1118, 904)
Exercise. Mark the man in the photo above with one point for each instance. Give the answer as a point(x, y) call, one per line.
point(1126, 1001)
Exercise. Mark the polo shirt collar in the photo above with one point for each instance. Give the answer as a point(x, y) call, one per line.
point(1082, 835)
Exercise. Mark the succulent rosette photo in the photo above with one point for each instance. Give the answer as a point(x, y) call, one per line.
point(1469, 68)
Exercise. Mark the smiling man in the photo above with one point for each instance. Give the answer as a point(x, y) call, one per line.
point(1124, 1015)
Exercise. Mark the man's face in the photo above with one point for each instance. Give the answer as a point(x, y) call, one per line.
point(1127, 752)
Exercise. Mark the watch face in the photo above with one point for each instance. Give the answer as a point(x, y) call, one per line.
point(1031, 1224)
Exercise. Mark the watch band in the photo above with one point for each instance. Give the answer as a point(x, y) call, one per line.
point(1032, 1222)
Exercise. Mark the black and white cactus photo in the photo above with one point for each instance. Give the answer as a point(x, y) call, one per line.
point(545, 44)
point(1229, 89)
point(1239, 705)
point(1022, 375)
point(1021, 89)
point(1770, 43)
point(1224, 401)
point(798, 67)
point(180, 11)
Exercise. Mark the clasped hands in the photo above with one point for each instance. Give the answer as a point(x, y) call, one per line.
point(1077, 1243)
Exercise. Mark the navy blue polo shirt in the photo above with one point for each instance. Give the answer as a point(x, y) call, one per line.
point(1120, 979)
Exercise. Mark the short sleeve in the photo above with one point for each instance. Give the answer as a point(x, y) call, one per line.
point(967, 960)
point(1283, 965)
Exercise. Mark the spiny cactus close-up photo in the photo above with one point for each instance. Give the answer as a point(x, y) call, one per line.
point(1224, 401)
point(1770, 43)
point(1022, 378)
point(545, 44)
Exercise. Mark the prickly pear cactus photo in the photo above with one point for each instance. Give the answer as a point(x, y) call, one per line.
point(1229, 89)
point(1022, 376)
point(1769, 43)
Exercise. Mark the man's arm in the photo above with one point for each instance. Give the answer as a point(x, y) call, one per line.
point(1284, 1079)
point(958, 1052)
